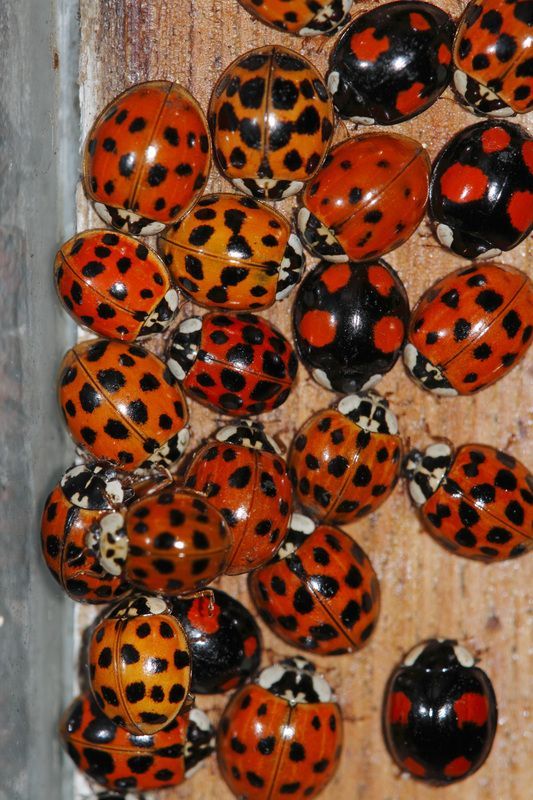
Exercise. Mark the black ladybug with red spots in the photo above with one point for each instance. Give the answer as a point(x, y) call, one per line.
point(350, 322)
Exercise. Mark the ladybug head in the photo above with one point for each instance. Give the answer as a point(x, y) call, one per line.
point(184, 347)
point(141, 605)
point(426, 470)
point(248, 434)
point(300, 527)
point(296, 681)
point(370, 412)
point(200, 741)
point(439, 654)
point(93, 487)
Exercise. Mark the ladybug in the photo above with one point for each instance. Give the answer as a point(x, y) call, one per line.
point(114, 285)
point(271, 118)
point(320, 592)
point(391, 63)
point(176, 542)
point(141, 762)
point(244, 476)
point(469, 329)
point(476, 502)
point(224, 641)
point(233, 252)
point(492, 57)
point(147, 157)
point(140, 665)
point(236, 364)
point(122, 405)
point(301, 17)
point(367, 199)
point(73, 513)
point(345, 461)
point(281, 735)
point(481, 190)
point(440, 713)
point(350, 322)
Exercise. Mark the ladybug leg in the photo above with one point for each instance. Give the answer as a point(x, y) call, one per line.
point(206, 596)
point(188, 703)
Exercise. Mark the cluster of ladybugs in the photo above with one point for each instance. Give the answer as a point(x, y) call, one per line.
point(122, 527)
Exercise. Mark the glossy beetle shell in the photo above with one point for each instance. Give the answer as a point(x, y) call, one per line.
point(368, 197)
point(147, 157)
point(345, 461)
point(178, 542)
point(114, 285)
point(251, 488)
point(319, 17)
point(320, 593)
point(224, 641)
point(271, 119)
point(122, 405)
point(481, 191)
point(492, 56)
point(120, 760)
point(470, 328)
point(391, 63)
point(350, 322)
point(236, 364)
point(440, 713)
point(233, 252)
point(282, 735)
point(139, 665)
point(476, 502)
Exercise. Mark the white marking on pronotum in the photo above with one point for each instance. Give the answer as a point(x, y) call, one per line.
point(413, 654)
point(171, 298)
point(293, 188)
point(190, 325)
point(463, 656)
point(492, 253)
point(240, 184)
point(333, 81)
point(320, 377)
point(301, 523)
point(444, 234)
point(176, 369)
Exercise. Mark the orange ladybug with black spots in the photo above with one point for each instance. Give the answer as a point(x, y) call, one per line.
point(140, 665)
point(147, 157)
point(301, 17)
point(470, 329)
point(391, 63)
point(350, 322)
point(368, 197)
point(345, 461)
point(281, 736)
point(492, 57)
point(481, 190)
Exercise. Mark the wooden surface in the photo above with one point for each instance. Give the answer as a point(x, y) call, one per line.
point(425, 590)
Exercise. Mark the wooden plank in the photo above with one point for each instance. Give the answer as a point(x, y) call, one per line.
point(426, 591)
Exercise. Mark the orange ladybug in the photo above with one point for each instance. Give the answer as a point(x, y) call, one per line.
point(147, 157)
point(139, 665)
point(301, 17)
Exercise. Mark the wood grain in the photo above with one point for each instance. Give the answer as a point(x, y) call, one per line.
point(426, 591)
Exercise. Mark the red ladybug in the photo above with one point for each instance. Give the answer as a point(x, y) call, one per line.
point(469, 329)
point(271, 119)
point(320, 592)
point(224, 641)
point(139, 665)
point(391, 63)
point(281, 736)
point(476, 502)
point(122, 405)
point(350, 322)
point(141, 762)
point(114, 285)
point(237, 364)
point(481, 190)
point(492, 56)
point(72, 517)
point(345, 461)
point(440, 713)
point(177, 542)
point(243, 475)
point(233, 252)
point(319, 17)
point(368, 197)
point(147, 157)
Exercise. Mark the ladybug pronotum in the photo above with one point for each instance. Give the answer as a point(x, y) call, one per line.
point(440, 713)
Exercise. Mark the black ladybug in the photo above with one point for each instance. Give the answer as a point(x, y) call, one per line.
point(440, 713)
point(224, 641)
